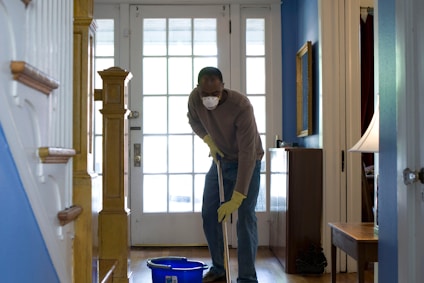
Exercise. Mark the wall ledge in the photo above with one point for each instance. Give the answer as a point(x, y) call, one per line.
point(69, 214)
point(55, 154)
point(32, 77)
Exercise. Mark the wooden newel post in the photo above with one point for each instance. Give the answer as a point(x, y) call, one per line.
point(114, 217)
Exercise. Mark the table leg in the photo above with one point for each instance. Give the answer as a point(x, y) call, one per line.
point(361, 267)
point(333, 262)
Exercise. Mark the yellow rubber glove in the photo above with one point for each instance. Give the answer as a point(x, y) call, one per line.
point(225, 210)
point(214, 150)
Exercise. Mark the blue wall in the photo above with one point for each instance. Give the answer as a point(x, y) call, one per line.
point(387, 197)
point(299, 23)
point(23, 253)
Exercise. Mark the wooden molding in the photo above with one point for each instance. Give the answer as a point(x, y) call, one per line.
point(55, 154)
point(32, 77)
point(69, 214)
point(98, 94)
point(83, 179)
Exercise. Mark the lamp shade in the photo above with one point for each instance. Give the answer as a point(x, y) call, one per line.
point(369, 141)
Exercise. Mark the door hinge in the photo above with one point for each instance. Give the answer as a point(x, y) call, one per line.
point(229, 27)
point(343, 160)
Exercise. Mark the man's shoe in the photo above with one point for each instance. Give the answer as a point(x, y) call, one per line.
point(213, 277)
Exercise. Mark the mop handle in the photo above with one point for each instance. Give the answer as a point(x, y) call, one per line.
point(224, 223)
point(220, 181)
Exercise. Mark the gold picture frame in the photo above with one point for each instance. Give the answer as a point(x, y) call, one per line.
point(304, 90)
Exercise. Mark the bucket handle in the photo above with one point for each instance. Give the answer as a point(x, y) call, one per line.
point(164, 266)
point(167, 266)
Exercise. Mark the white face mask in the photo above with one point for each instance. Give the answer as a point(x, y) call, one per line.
point(210, 102)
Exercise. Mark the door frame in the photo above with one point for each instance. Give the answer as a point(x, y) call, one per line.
point(340, 77)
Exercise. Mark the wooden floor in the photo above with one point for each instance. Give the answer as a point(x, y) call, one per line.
point(267, 266)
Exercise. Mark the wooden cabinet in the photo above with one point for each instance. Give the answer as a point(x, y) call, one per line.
point(296, 202)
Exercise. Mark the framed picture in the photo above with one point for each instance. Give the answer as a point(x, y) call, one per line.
point(304, 90)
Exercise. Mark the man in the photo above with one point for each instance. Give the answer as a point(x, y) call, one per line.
point(224, 119)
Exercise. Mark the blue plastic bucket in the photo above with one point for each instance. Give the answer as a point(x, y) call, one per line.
point(176, 270)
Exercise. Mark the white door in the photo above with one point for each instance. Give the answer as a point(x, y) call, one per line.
point(410, 142)
point(169, 45)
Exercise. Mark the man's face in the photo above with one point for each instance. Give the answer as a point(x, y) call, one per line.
point(210, 86)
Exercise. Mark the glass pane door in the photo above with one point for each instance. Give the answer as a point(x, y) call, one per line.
point(169, 45)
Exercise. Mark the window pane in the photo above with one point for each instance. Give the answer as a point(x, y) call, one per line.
point(98, 154)
point(202, 161)
point(255, 75)
point(263, 161)
point(199, 183)
point(258, 103)
point(154, 37)
point(180, 154)
point(200, 63)
point(102, 64)
point(179, 37)
point(178, 121)
point(255, 37)
point(155, 115)
point(205, 37)
point(154, 76)
point(105, 38)
point(180, 193)
point(154, 154)
point(154, 193)
point(180, 75)
point(98, 118)
point(256, 84)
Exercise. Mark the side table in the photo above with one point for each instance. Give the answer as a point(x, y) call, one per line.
point(358, 241)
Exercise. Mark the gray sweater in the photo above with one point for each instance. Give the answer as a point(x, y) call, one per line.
point(232, 127)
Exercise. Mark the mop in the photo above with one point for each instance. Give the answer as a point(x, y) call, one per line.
point(224, 224)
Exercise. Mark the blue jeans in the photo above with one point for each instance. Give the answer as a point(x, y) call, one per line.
point(247, 232)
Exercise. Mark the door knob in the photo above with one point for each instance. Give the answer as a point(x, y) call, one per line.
point(410, 176)
point(133, 115)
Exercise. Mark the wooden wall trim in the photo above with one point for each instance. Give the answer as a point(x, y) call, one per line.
point(33, 77)
point(84, 184)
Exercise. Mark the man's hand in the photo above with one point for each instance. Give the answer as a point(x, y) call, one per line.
point(214, 150)
point(225, 210)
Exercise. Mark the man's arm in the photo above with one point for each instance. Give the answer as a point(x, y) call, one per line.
point(193, 118)
point(247, 139)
